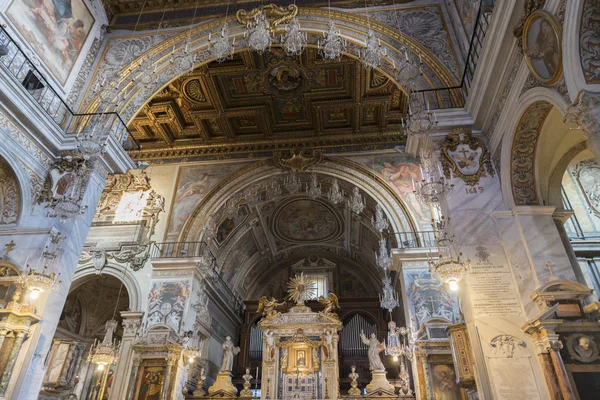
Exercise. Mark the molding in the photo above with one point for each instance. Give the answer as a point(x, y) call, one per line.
point(533, 210)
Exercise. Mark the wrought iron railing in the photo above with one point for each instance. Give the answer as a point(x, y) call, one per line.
point(24, 71)
point(178, 249)
point(411, 240)
point(456, 96)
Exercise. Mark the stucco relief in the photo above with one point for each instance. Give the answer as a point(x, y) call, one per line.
point(589, 41)
point(523, 153)
point(9, 195)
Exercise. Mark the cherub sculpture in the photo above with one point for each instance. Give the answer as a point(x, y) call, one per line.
point(329, 304)
point(267, 307)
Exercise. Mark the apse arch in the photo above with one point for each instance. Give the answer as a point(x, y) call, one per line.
point(14, 198)
point(519, 156)
point(314, 22)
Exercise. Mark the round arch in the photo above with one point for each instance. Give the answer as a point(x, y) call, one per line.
point(314, 22)
point(519, 145)
point(87, 272)
point(22, 180)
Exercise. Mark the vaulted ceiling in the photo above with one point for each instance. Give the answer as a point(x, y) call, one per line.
point(256, 103)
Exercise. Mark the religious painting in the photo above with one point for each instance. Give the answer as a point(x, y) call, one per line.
point(465, 157)
point(429, 299)
point(55, 29)
point(303, 220)
point(151, 379)
point(542, 46)
point(166, 303)
point(244, 249)
point(230, 223)
point(301, 358)
point(193, 184)
point(443, 382)
point(467, 12)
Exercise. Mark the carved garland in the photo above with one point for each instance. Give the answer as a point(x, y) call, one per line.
point(523, 153)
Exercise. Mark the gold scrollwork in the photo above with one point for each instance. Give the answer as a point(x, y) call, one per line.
point(298, 162)
point(275, 14)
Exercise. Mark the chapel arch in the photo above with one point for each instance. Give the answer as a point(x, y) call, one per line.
point(10, 195)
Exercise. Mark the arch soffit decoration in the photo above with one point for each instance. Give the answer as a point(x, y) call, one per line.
point(398, 213)
point(576, 15)
point(315, 23)
point(22, 181)
point(87, 272)
point(519, 144)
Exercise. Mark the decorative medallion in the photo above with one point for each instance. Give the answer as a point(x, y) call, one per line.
point(542, 47)
point(285, 78)
point(304, 220)
point(192, 90)
point(582, 347)
point(587, 174)
point(466, 157)
point(298, 162)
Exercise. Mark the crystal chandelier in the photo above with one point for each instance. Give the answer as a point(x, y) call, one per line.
point(332, 45)
point(335, 195)
point(292, 183)
point(219, 46)
point(356, 203)
point(272, 189)
point(388, 299)
point(91, 143)
point(420, 119)
point(432, 188)
point(449, 267)
point(252, 195)
point(259, 33)
point(398, 349)
point(293, 40)
point(408, 69)
point(183, 60)
point(373, 53)
point(382, 258)
point(105, 352)
point(313, 190)
point(380, 223)
point(39, 281)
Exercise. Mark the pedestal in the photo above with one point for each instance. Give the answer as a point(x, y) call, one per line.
point(379, 385)
point(223, 386)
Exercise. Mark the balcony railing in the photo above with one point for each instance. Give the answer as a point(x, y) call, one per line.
point(22, 69)
point(414, 240)
point(177, 249)
point(456, 96)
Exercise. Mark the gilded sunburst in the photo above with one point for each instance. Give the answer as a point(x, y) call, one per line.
point(301, 288)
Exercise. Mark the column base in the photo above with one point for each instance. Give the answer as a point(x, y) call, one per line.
point(222, 386)
point(379, 385)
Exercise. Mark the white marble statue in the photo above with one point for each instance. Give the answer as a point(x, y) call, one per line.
point(270, 345)
point(229, 351)
point(328, 339)
point(375, 347)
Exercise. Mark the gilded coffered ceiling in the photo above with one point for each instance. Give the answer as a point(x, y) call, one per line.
point(259, 103)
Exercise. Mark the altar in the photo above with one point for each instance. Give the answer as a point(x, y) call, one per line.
point(300, 350)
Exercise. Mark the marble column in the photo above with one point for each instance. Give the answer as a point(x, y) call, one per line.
point(554, 347)
point(133, 377)
point(549, 376)
point(171, 361)
point(132, 321)
point(12, 358)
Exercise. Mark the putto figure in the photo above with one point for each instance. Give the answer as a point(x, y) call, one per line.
point(267, 307)
point(329, 304)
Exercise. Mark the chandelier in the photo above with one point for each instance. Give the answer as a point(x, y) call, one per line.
point(292, 183)
point(398, 349)
point(293, 40)
point(388, 299)
point(356, 203)
point(259, 33)
point(219, 46)
point(383, 259)
point(332, 45)
point(373, 53)
point(313, 190)
point(449, 267)
point(335, 195)
point(39, 281)
point(432, 188)
point(420, 119)
point(407, 70)
point(90, 143)
point(252, 196)
point(105, 352)
point(272, 189)
point(183, 60)
point(380, 223)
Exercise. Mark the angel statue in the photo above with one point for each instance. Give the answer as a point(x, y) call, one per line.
point(329, 304)
point(375, 347)
point(229, 351)
point(267, 307)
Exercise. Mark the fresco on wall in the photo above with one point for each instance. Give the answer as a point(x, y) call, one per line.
point(230, 224)
point(400, 170)
point(166, 303)
point(443, 382)
point(55, 29)
point(193, 184)
point(306, 221)
point(467, 12)
point(428, 298)
point(581, 186)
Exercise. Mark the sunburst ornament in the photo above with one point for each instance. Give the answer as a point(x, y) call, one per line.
point(301, 288)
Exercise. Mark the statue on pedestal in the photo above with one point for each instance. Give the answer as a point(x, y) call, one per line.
point(354, 390)
point(328, 344)
point(246, 392)
point(375, 347)
point(269, 346)
point(229, 351)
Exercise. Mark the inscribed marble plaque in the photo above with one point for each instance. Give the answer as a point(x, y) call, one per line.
point(490, 281)
point(513, 378)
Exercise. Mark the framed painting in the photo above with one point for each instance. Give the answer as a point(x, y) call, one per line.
point(151, 379)
point(542, 47)
point(55, 29)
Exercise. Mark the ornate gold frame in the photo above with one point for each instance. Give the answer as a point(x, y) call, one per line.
point(557, 33)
